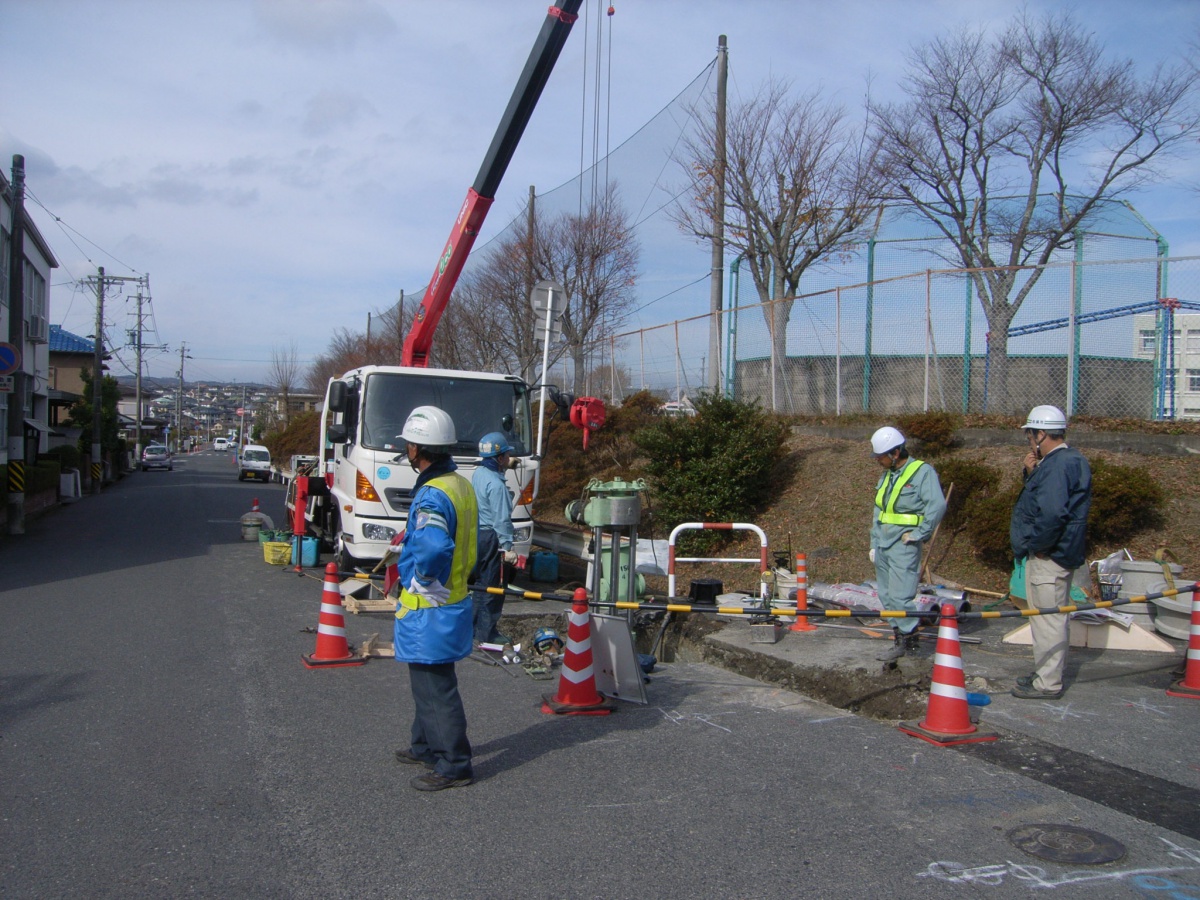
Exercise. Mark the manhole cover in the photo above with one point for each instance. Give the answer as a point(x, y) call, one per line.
point(1067, 844)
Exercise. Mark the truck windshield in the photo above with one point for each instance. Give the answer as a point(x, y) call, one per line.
point(477, 408)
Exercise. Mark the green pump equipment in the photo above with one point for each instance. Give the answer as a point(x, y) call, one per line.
point(612, 509)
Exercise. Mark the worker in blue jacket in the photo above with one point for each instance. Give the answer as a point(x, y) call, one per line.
point(1048, 530)
point(908, 505)
point(495, 547)
point(433, 622)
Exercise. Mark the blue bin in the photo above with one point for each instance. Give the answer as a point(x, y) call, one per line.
point(543, 566)
point(309, 547)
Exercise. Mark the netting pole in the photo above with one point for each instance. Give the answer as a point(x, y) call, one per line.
point(837, 350)
point(1073, 324)
point(966, 390)
point(731, 339)
point(928, 335)
point(866, 396)
point(678, 388)
point(642, 356)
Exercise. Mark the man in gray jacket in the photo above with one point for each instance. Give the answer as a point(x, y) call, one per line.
point(1049, 531)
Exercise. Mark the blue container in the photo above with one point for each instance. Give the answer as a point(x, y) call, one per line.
point(308, 554)
point(543, 566)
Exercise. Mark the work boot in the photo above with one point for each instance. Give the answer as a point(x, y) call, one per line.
point(897, 649)
point(912, 640)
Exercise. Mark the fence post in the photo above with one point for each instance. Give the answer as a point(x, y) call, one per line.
point(837, 344)
point(1073, 325)
point(966, 391)
point(866, 396)
point(928, 335)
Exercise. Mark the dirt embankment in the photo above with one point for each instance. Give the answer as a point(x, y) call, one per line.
point(823, 504)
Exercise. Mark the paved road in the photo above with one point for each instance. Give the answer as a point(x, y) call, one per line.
point(159, 737)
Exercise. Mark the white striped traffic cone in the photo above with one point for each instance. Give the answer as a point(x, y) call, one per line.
point(947, 720)
point(577, 694)
point(332, 649)
point(1189, 685)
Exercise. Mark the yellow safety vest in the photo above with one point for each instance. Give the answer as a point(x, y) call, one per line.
point(887, 506)
point(462, 495)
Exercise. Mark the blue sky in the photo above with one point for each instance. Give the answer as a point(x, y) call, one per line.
point(281, 169)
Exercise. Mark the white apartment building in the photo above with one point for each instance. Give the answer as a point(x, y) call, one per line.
point(1180, 361)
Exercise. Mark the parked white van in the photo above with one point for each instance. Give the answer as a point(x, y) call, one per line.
point(254, 462)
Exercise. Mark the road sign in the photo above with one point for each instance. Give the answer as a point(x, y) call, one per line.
point(241, 411)
point(548, 295)
point(548, 300)
point(10, 359)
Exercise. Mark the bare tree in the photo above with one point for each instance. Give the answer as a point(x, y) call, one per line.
point(799, 185)
point(1009, 144)
point(347, 349)
point(594, 256)
point(284, 374)
point(490, 316)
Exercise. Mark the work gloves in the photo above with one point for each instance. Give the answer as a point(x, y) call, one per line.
point(510, 557)
point(909, 537)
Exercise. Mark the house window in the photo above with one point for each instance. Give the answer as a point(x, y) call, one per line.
point(1193, 340)
point(1193, 377)
point(1146, 337)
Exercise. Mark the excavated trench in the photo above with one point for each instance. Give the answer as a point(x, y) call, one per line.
point(887, 693)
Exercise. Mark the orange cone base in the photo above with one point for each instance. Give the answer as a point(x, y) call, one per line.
point(603, 707)
point(802, 624)
point(1180, 689)
point(974, 736)
point(312, 662)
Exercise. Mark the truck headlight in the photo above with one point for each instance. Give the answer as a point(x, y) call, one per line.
point(522, 534)
point(378, 532)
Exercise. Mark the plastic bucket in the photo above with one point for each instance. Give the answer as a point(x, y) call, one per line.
point(251, 531)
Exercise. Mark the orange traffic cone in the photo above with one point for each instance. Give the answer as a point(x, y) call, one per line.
point(947, 720)
point(332, 649)
point(1189, 685)
point(577, 694)
point(801, 623)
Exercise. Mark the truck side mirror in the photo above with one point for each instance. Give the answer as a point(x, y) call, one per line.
point(338, 392)
point(336, 434)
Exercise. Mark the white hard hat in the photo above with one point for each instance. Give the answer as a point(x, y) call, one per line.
point(1046, 418)
point(429, 426)
point(885, 439)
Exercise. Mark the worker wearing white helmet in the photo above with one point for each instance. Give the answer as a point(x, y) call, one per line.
point(908, 505)
point(433, 624)
point(1048, 531)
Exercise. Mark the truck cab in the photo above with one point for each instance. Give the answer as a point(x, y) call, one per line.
point(363, 502)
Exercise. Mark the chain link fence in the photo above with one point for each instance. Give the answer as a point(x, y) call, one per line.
point(1104, 338)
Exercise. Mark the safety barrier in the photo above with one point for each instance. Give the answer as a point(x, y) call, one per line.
point(769, 609)
point(711, 526)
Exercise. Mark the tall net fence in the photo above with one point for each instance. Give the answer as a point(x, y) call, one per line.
point(1103, 337)
point(1110, 328)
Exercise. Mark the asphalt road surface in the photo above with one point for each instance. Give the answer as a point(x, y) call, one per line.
point(159, 737)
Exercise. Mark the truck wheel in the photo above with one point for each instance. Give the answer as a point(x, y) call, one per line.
point(346, 562)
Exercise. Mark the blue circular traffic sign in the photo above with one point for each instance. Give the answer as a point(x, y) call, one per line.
point(10, 359)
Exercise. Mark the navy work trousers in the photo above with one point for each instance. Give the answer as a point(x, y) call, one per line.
point(439, 729)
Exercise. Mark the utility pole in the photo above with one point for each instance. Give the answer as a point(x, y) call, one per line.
point(137, 339)
point(98, 384)
point(16, 337)
point(718, 239)
point(179, 402)
point(242, 425)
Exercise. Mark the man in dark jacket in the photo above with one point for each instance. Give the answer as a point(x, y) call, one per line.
point(1049, 531)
